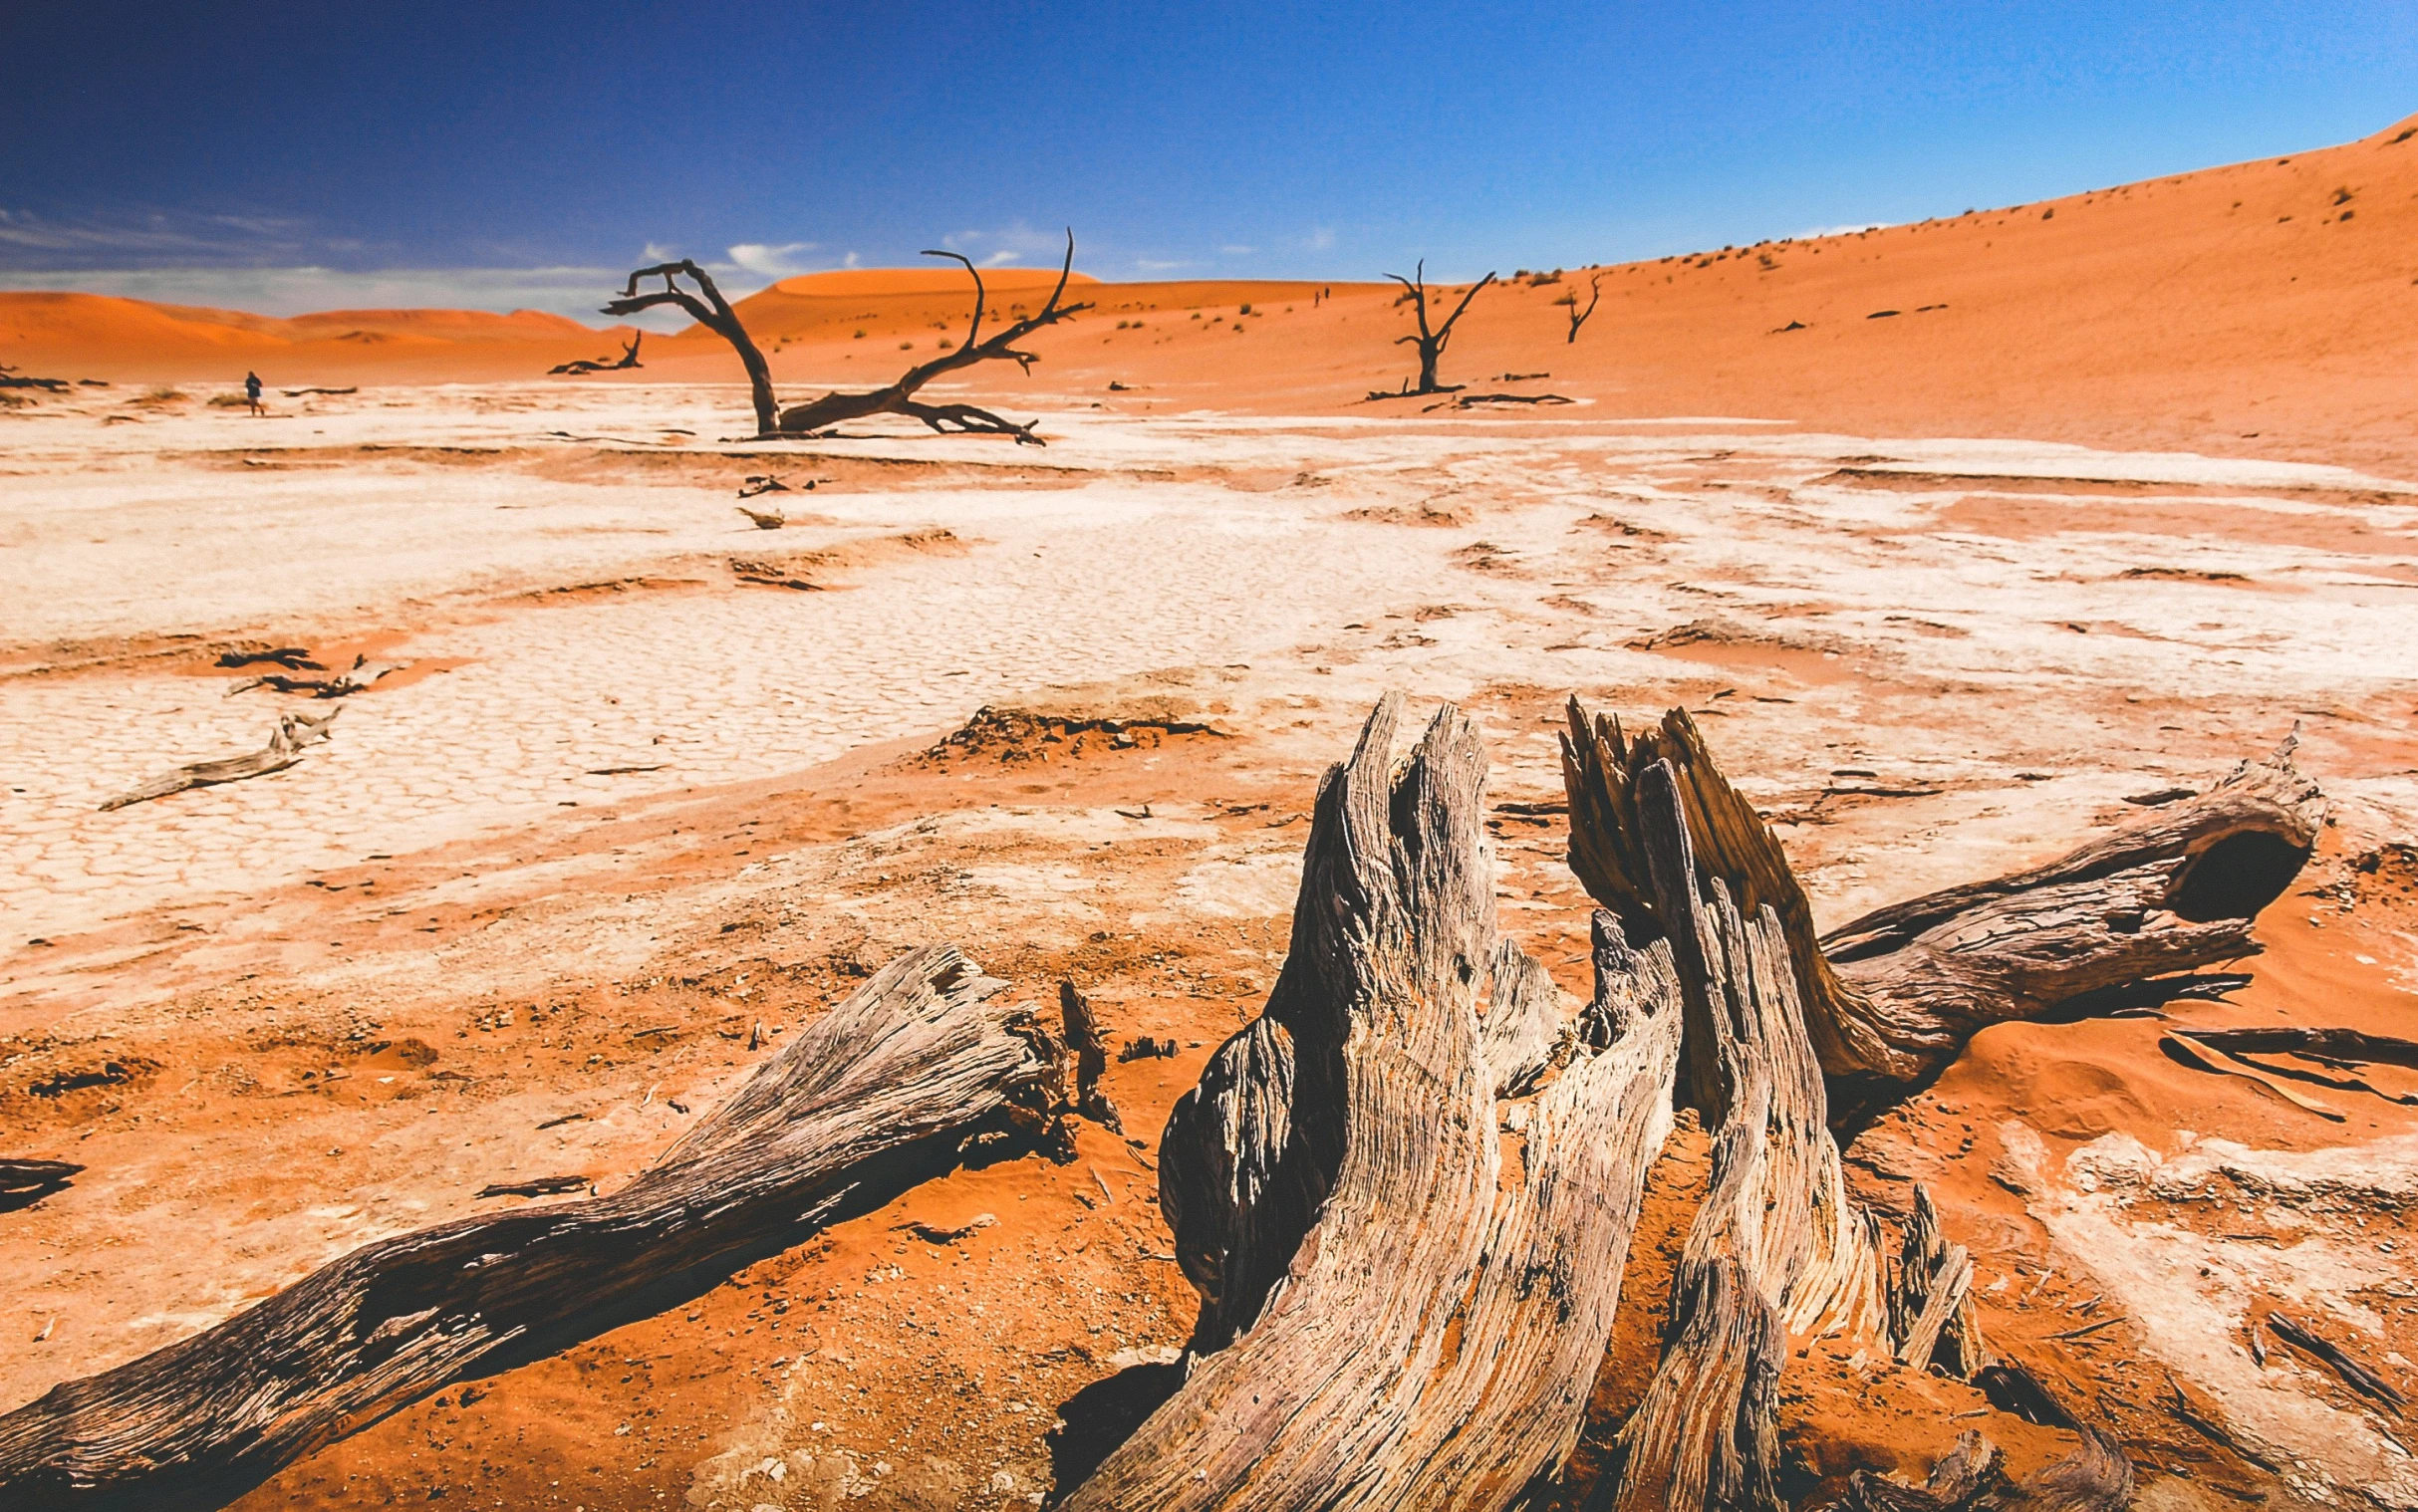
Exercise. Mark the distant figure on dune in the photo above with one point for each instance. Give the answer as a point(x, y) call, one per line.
point(251, 392)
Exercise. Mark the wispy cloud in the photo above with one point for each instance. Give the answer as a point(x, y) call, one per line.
point(139, 238)
point(1235, 251)
point(1159, 265)
point(1321, 239)
point(572, 290)
point(770, 261)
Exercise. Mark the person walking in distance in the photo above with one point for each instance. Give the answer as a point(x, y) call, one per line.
point(251, 392)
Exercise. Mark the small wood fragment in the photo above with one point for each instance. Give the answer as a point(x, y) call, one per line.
point(294, 733)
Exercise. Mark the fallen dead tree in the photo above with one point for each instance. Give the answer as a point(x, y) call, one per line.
point(10, 378)
point(899, 398)
point(1891, 998)
point(708, 309)
point(881, 1089)
point(1434, 1344)
point(293, 734)
point(356, 678)
point(627, 358)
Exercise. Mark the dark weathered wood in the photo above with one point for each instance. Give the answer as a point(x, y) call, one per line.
point(294, 733)
point(1578, 317)
point(1892, 997)
point(35, 1176)
point(629, 359)
point(836, 409)
point(712, 312)
point(1390, 1319)
point(880, 1089)
point(1776, 1247)
point(1431, 343)
point(1971, 1478)
point(1930, 1298)
point(1090, 1050)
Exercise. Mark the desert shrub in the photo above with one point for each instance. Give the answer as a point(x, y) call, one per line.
point(1245, 310)
point(229, 401)
point(860, 335)
point(906, 345)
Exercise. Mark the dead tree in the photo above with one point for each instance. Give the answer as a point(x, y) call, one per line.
point(1431, 343)
point(1578, 317)
point(881, 1089)
point(629, 358)
point(1891, 998)
point(1434, 1341)
point(714, 314)
point(900, 398)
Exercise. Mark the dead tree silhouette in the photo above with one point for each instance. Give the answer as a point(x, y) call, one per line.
point(629, 359)
point(1431, 343)
point(836, 409)
point(714, 314)
point(899, 398)
point(1578, 317)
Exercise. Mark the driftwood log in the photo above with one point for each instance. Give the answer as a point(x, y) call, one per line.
point(1891, 998)
point(881, 1090)
point(293, 734)
point(1395, 1314)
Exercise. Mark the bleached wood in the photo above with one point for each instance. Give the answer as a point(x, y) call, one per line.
point(880, 1089)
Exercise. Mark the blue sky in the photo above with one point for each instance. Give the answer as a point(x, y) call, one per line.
point(285, 156)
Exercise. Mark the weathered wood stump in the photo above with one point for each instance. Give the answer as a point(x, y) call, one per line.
point(880, 1090)
point(1776, 1247)
point(1390, 1317)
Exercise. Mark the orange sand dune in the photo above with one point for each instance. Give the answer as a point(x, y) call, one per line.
point(2266, 307)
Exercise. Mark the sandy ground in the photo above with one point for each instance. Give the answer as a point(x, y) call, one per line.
point(618, 806)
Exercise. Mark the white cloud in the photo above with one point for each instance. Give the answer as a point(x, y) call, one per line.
point(1321, 239)
point(1234, 251)
point(659, 252)
point(770, 261)
point(1002, 258)
point(849, 261)
point(1158, 265)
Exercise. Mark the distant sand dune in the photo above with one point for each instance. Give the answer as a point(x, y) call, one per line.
point(2266, 307)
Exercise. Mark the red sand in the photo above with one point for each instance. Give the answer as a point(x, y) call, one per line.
point(2267, 308)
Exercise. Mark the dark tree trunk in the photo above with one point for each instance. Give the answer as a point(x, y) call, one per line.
point(1431, 343)
point(714, 314)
